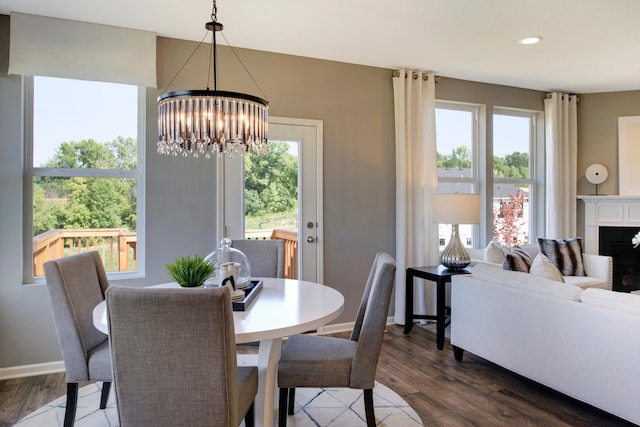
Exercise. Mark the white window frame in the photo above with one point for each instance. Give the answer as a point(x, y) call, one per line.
point(536, 168)
point(478, 146)
point(30, 172)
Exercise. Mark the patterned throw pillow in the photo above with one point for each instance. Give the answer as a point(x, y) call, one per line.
point(565, 254)
point(517, 260)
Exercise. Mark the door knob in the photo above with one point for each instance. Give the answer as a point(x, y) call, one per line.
point(310, 239)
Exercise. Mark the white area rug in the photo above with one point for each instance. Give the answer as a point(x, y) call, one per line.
point(314, 407)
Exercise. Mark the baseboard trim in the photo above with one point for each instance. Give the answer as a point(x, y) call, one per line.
point(31, 370)
point(58, 366)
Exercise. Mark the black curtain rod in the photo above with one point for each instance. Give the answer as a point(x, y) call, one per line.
point(415, 76)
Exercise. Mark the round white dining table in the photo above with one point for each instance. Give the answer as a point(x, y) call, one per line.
point(283, 307)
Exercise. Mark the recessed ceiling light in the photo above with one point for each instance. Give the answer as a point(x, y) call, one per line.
point(531, 40)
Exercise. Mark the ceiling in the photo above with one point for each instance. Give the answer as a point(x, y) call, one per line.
point(588, 45)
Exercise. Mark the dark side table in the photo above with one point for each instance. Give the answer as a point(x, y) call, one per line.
point(441, 276)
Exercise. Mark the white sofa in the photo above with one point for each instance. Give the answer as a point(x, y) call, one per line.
point(599, 268)
point(583, 343)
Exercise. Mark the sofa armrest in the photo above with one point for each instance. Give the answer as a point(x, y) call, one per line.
point(599, 266)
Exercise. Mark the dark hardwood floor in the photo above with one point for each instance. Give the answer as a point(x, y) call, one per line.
point(442, 391)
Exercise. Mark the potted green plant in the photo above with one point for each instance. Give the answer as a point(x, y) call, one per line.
point(191, 271)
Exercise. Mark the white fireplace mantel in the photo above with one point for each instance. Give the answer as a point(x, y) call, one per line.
point(608, 211)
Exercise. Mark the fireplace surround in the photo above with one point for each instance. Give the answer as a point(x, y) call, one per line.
point(610, 224)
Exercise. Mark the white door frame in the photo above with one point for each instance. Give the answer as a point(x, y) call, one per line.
point(230, 179)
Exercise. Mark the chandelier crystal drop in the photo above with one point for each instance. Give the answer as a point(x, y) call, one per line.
point(211, 123)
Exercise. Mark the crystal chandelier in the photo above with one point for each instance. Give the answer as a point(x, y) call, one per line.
point(211, 122)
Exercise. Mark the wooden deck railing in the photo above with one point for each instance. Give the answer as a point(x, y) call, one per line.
point(290, 251)
point(290, 248)
point(117, 247)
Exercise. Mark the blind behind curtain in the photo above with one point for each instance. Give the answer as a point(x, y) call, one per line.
point(43, 46)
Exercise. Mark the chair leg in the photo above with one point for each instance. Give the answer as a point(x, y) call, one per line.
point(72, 403)
point(104, 396)
point(368, 407)
point(282, 407)
point(250, 416)
point(292, 400)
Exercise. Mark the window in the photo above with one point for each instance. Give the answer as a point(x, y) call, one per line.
point(514, 176)
point(511, 190)
point(84, 180)
point(457, 145)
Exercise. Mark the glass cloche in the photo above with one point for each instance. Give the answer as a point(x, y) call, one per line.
point(225, 256)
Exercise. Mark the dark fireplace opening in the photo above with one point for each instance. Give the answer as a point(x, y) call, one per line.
point(616, 242)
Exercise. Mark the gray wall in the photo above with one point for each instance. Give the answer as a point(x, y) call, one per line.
point(598, 139)
point(26, 333)
point(598, 135)
point(356, 105)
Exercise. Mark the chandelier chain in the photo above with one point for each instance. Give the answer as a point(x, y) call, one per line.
point(214, 12)
point(211, 61)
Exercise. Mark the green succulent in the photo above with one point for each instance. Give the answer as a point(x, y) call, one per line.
point(191, 271)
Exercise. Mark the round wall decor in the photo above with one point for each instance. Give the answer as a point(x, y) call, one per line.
point(596, 173)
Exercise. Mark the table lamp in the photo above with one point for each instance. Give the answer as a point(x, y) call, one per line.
point(456, 209)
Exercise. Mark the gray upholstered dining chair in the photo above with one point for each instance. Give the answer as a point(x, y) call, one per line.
point(320, 361)
point(265, 256)
point(76, 285)
point(174, 358)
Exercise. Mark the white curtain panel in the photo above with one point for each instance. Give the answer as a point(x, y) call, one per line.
point(561, 134)
point(416, 181)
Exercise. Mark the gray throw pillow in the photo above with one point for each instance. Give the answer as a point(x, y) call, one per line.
point(517, 260)
point(566, 254)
